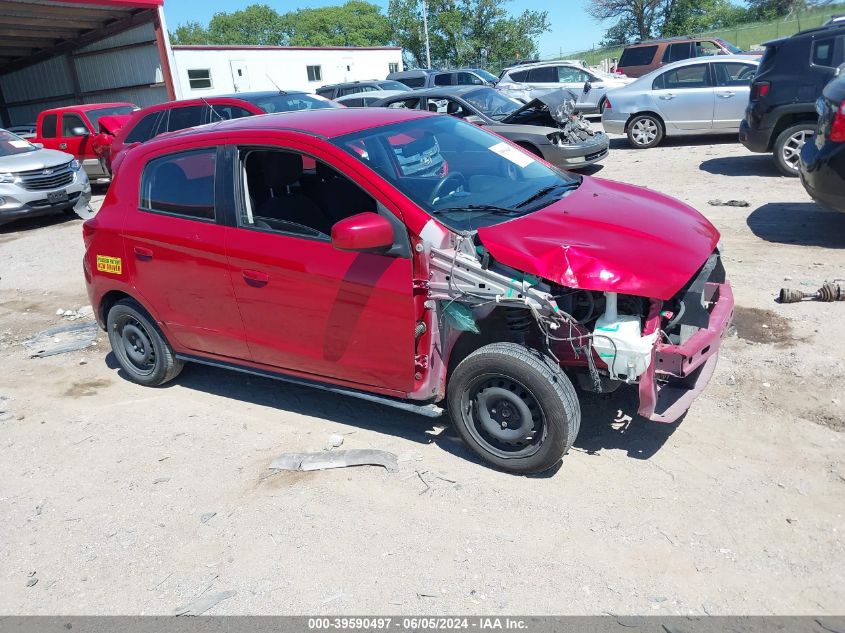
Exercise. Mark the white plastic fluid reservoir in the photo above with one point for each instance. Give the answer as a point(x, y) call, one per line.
point(619, 342)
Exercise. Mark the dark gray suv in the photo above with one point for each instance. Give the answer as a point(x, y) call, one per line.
point(427, 78)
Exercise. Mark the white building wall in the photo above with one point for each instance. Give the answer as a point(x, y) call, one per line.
point(266, 68)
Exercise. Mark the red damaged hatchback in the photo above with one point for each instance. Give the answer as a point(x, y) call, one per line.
point(410, 259)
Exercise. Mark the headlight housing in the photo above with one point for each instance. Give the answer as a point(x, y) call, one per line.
point(74, 165)
point(5, 178)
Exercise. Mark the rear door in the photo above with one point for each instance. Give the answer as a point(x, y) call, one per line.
point(685, 98)
point(733, 85)
point(176, 254)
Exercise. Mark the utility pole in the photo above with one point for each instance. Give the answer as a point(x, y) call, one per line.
point(425, 28)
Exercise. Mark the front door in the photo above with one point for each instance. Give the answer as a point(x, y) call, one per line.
point(685, 98)
point(306, 306)
point(240, 75)
point(176, 256)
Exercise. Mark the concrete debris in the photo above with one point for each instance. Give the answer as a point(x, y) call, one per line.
point(201, 604)
point(72, 315)
point(335, 459)
point(205, 518)
point(6, 416)
point(32, 582)
point(334, 441)
point(729, 203)
point(62, 339)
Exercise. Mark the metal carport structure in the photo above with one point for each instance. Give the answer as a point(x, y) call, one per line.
point(65, 52)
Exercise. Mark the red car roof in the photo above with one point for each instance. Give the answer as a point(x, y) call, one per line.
point(85, 107)
point(329, 122)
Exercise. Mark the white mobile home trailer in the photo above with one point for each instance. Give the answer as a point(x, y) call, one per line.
point(203, 71)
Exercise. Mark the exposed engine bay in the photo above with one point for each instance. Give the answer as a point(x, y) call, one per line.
point(605, 338)
point(555, 109)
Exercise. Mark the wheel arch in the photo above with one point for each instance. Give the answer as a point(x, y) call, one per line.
point(788, 120)
point(109, 300)
point(642, 113)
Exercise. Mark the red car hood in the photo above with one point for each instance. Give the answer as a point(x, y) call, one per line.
point(111, 123)
point(609, 237)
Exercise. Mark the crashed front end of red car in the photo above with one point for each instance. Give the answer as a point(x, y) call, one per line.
point(621, 285)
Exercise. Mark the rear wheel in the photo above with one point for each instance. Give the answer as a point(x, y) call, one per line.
point(644, 131)
point(140, 348)
point(788, 146)
point(514, 407)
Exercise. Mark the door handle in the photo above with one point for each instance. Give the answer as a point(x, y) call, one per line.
point(255, 278)
point(62, 145)
point(666, 97)
point(142, 253)
point(726, 95)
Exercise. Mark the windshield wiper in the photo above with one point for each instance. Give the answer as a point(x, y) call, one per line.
point(546, 191)
point(490, 208)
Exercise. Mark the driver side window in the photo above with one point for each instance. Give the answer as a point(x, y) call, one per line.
point(289, 192)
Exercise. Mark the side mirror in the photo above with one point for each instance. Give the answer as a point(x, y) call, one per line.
point(38, 145)
point(79, 131)
point(364, 232)
point(587, 87)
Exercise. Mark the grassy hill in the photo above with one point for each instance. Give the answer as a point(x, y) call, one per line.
point(745, 36)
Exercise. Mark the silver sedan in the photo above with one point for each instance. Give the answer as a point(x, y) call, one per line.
point(690, 97)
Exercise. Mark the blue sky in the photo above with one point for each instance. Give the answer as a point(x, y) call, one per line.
point(572, 29)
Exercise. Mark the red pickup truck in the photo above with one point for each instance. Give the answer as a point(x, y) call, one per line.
point(77, 130)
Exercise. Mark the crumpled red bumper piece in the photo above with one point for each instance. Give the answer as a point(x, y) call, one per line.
point(694, 360)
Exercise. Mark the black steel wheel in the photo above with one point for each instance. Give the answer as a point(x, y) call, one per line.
point(514, 407)
point(139, 346)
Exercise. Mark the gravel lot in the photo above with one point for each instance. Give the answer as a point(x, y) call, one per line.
point(120, 499)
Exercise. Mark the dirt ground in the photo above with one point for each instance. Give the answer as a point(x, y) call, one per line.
point(119, 499)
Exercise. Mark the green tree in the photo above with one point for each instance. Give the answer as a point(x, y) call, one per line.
point(694, 16)
point(464, 32)
point(356, 23)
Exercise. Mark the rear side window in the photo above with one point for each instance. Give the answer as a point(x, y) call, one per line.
point(353, 103)
point(637, 56)
point(226, 112)
point(443, 79)
point(696, 76)
point(326, 93)
point(677, 52)
point(145, 129)
point(520, 75)
point(180, 184)
point(543, 75)
point(413, 82)
point(469, 79)
point(734, 74)
point(48, 126)
point(181, 118)
point(823, 52)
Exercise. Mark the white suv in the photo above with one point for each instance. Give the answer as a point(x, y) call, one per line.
point(527, 81)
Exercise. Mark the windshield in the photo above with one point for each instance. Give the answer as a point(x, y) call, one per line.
point(392, 85)
point(492, 102)
point(11, 144)
point(464, 176)
point(486, 76)
point(288, 102)
point(733, 49)
point(94, 115)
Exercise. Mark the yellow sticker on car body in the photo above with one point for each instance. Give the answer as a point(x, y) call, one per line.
point(108, 264)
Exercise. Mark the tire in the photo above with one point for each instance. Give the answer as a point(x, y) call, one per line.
point(150, 361)
point(645, 131)
point(787, 147)
point(526, 382)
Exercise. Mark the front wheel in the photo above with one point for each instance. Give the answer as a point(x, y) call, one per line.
point(514, 407)
point(788, 146)
point(141, 349)
point(645, 131)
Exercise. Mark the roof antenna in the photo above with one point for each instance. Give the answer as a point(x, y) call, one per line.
point(281, 92)
point(213, 111)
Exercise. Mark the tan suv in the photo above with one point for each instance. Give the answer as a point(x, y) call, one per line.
point(643, 57)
